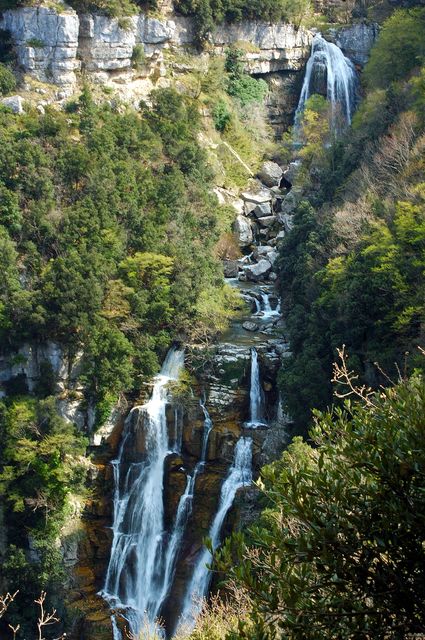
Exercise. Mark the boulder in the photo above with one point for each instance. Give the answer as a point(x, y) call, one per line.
point(231, 268)
point(258, 271)
point(267, 221)
point(15, 103)
point(272, 256)
point(243, 231)
point(262, 210)
point(258, 197)
point(250, 326)
point(261, 251)
point(270, 174)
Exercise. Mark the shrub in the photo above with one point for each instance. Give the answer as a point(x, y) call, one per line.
point(221, 115)
point(7, 80)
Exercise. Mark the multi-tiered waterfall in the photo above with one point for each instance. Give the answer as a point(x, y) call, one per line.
point(239, 475)
point(140, 568)
point(329, 72)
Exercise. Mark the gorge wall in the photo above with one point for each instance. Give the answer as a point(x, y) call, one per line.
point(58, 50)
point(61, 49)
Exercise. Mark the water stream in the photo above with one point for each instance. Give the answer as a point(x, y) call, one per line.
point(137, 572)
point(239, 475)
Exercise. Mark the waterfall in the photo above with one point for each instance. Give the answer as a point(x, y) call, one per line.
point(329, 72)
point(184, 510)
point(256, 401)
point(136, 571)
point(239, 475)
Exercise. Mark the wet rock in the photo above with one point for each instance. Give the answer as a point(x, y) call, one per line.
point(258, 271)
point(270, 174)
point(243, 231)
point(231, 268)
point(250, 326)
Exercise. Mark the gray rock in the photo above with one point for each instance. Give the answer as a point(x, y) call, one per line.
point(272, 256)
point(258, 271)
point(243, 231)
point(286, 220)
point(46, 42)
point(262, 210)
point(153, 31)
point(261, 251)
point(258, 197)
point(356, 41)
point(271, 174)
point(267, 221)
point(231, 268)
point(250, 326)
point(15, 103)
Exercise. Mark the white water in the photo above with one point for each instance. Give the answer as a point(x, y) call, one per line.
point(267, 311)
point(239, 475)
point(256, 400)
point(184, 510)
point(136, 573)
point(328, 61)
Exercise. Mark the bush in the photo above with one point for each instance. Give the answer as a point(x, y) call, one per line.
point(221, 115)
point(398, 50)
point(338, 552)
point(7, 80)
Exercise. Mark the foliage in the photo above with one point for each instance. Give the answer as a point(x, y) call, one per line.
point(399, 49)
point(338, 551)
point(106, 215)
point(221, 115)
point(241, 85)
point(208, 13)
point(7, 80)
point(352, 266)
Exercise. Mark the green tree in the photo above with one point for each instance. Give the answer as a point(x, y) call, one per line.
point(338, 551)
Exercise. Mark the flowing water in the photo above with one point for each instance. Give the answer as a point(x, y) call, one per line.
point(256, 396)
point(137, 572)
point(329, 71)
point(239, 475)
point(184, 510)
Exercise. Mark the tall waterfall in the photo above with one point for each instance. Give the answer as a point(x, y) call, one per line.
point(184, 510)
point(137, 570)
point(256, 401)
point(329, 71)
point(239, 475)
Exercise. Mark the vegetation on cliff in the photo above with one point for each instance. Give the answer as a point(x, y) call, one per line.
point(338, 551)
point(352, 269)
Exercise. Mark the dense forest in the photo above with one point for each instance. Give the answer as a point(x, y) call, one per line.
point(111, 241)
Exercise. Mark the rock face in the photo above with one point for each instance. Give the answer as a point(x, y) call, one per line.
point(46, 42)
point(280, 47)
point(51, 46)
point(356, 41)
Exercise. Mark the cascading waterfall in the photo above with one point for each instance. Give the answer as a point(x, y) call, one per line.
point(239, 475)
point(137, 569)
point(184, 510)
point(328, 67)
point(256, 401)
